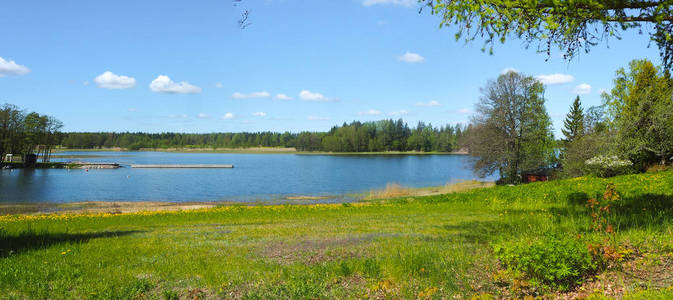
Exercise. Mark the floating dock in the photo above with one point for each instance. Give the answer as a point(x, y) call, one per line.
point(182, 166)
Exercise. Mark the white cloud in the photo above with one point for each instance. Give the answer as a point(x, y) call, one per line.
point(507, 70)
point(316, 118)
point(398, 113)
point(582, 89)
point(109, 80)
point(203, 116)
point(164, 84)
point(411, 57)
point(282, 97)
point(407, 3)
point(86, 83)
point(219, 85)
point(464, 111)
point(371, 112)
point(177, 116)
point(558, 78)
point(252, 95)
point(428, 104)
point(307, 95)
point(228, 116)
point(132, 109)
point(12, 68)
point(259, 114)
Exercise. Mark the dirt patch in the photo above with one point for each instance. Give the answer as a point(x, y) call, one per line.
point(306, 197)
point(315, 251)
point(647, 271)
point(640, 272)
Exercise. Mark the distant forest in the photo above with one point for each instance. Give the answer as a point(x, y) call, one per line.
point(384, 135)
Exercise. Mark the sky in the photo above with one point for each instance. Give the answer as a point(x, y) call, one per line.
point(179, 66)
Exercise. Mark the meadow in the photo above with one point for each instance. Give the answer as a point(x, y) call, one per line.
point(539, 239)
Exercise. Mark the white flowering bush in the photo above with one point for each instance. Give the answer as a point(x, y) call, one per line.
point(608, 165)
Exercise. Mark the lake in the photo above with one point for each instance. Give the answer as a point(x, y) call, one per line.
point(255, 178)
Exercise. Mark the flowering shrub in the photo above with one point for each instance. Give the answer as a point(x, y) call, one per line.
point(608, 166)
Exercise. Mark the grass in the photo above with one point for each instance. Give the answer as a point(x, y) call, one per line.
point(438, 246)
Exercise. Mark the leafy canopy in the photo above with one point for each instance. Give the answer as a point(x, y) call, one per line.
point(570, 25)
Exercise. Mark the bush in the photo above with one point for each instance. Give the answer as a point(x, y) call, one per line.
point(551, 262)
point(608, 166)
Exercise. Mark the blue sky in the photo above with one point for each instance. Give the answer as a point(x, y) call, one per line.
point(301, 65)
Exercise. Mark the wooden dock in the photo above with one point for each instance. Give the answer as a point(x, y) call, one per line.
point(182, 166)
point(92, 165)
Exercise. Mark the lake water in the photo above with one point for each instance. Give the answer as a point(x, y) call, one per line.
point(255, 178)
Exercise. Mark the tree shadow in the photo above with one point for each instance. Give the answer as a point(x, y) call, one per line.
point(477, 231)
point(644, 210)
point(577, 198)
point(31, 240)
point(629, 212)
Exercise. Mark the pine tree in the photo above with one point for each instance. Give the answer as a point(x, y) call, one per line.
point(574, 122)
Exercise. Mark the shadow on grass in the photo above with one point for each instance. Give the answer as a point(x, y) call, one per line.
point(478, 231)
point(630, 212)
point(31, 240)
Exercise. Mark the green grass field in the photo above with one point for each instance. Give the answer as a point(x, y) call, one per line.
point(413, 247)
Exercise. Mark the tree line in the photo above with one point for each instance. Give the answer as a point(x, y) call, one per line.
point(27, 134)
point(384, 135)
point(632, 130)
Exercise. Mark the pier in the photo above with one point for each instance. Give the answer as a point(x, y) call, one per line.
point(182, 166)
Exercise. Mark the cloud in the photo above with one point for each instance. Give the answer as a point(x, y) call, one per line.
point(316, 118)
point(307, 95)
point(431, 103)
point(132, 109)
point(411, 57)
point(219, 85)
point(282, 97)
point(203, 116)
point(252, 95)
point(259, 114)
point(109, 80)
point(371, 112)
point(507, 70)
point(86, 83)
point(228, 116)
point(177, 116)
point(398, 113)
point(12, 68)
point(164, 84)
point(582, 89)
point(406, 3)
point(464, 111)
point(558, 78)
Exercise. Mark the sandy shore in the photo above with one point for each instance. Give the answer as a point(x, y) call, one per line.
point(119, 207)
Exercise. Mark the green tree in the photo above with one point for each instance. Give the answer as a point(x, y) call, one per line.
point(511, 131)
point(573, 125)
point(571, 26)
point(641, 105)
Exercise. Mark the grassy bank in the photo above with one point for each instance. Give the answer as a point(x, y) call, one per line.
point(409, 247)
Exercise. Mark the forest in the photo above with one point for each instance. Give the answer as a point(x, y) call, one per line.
point(384, 135)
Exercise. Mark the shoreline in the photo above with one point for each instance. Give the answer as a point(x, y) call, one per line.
point(257, 150)
point(391, 191)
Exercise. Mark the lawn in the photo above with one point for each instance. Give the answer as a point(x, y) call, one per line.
point(440, 246)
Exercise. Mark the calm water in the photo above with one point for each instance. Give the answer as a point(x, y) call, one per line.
point(256, 177)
